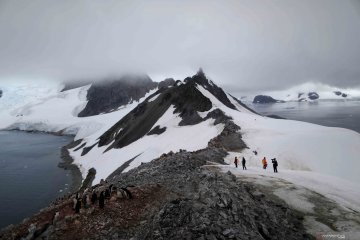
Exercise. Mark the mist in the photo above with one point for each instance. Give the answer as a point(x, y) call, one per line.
point(241, 45)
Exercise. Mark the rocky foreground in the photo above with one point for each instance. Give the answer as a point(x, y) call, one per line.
point(177, 196)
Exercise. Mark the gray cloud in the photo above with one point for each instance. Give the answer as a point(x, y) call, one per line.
point(240, 44)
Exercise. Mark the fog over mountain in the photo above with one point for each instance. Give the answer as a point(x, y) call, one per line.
point(243, 45)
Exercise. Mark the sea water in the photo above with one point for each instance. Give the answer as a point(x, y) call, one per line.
point(344, 114)
point(29, 176)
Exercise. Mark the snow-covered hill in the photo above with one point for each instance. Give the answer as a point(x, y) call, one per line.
point(181, 116)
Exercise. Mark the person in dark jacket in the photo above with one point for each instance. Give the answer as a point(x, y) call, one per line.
point(243, 163)
point(102, 200)
point(275, 164)
point(236, 162)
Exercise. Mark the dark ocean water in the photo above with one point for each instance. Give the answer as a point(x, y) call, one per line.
point(29, 176)
point(345, 114)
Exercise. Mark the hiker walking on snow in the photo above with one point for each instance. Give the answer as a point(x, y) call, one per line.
point(275, 164)
point(264, 163)
point(243, 163)
point(236, 162)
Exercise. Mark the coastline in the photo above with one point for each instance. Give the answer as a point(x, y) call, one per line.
point(61, 160)
point(66, 161)
point(67, 164)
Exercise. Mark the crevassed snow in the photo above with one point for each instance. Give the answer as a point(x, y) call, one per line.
point(191, 138)
point(17, 93)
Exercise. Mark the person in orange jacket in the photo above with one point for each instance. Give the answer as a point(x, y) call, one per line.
point(264, 163)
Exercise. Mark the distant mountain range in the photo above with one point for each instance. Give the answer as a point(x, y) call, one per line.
point(304, 92)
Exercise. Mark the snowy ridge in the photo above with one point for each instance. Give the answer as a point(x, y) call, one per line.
point(149, 147)
point(298, 146)
point(315, 162)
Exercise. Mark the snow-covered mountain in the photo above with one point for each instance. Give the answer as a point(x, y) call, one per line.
point(193, 115)
point(187, 114)
point(305, 92)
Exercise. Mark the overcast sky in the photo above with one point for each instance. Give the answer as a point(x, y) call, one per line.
point(241, 45)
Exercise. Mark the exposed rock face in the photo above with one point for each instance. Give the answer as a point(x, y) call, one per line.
point(344, 95)
point(201, 79)
point(229, 139)
point(186, 99)
point(1, 93)
point(264, 99)
point(105, 96)
point(167, 83)
point(337, 93)
point(157, 130)
point(173, 197)
point(313, 95)
point(275, 116)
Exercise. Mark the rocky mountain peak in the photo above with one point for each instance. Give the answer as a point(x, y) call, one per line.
point(108, 95)
point(201, 79)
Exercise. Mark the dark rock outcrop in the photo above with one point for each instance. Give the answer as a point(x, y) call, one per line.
point(105, 96)
point(229, 139)
point(275, 116)
point(219, 116)
point(1, 93)
point(338, 93)
point(200, 78)
point(157, 130)
point(313, 95)
point(264, 99)
point(166, 83)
